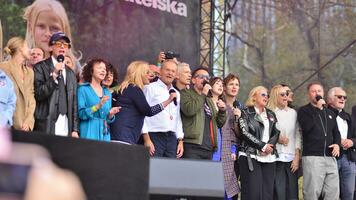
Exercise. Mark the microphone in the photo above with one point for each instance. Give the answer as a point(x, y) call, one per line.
point(205, 82)
point(175, 98)
point(318, 98)
point(209, 92)
point(236, 104)
point(60, 59)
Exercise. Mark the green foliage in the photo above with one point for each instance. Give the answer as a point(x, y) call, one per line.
point(291, 41)
point(11, 18)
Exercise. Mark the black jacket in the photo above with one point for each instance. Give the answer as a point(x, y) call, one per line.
point(351, 133)
point(46, 95)
point(251, 130)
point(313, 122)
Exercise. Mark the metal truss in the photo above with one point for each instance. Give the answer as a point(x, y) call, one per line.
point(214, 16)
point(212, 35)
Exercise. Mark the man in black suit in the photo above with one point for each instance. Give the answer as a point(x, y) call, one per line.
point(56, 91)
point(346, 162)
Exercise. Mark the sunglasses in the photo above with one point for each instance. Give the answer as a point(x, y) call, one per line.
point(264, 95)
point(201, 76)
point(60, 44)
point(341, 96)
point(284, 94)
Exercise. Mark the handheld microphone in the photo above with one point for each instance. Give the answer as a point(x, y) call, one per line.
point(318, 98)
point(205, 82)
point(175, 98)
point(60, 59)
point(236, 104)
point(209, 92)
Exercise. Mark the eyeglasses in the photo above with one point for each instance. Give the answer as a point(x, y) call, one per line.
point(341, 96)
point(284, 94)
point(201, 76)
point(60, 44)
point(264, 95)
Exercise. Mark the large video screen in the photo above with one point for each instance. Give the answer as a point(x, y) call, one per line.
point(122, 31)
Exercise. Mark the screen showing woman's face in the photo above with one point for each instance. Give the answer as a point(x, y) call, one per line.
point(47, 23)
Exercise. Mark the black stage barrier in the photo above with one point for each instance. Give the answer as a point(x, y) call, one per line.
point(106, 170)
point(172, 179)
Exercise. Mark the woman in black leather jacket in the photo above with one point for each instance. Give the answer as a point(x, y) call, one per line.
point(257, 154)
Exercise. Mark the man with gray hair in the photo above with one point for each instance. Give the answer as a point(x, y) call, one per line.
point(184, 76)
point(346, 162)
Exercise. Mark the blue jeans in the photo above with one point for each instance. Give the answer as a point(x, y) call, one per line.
point(165, 144)
point(347, 178)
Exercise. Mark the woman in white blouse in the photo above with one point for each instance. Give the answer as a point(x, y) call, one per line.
point(288, 146)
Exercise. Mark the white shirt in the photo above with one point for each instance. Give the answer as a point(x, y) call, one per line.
point(61, 126)
point(167, 120)
point(343, 127)
point(265, 137)
point(288, 126)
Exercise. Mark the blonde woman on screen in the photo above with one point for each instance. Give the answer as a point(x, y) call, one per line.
point(45, 17)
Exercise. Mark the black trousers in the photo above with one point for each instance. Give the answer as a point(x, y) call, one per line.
point(259, 183)
point(194, 151)
point(286, 182)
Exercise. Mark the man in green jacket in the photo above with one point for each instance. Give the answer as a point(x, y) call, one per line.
point(200, 118)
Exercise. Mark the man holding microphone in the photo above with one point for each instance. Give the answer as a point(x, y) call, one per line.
point(321, 140)
point(56, 91)
point(200, 118)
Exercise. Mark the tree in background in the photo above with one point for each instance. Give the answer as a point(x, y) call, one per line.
point(11, 19)
point(285, 41)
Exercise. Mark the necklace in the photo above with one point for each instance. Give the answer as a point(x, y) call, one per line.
point(170, 112)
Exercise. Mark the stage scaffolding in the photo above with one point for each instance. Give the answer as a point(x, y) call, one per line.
point(212, 36)
point(214, 18)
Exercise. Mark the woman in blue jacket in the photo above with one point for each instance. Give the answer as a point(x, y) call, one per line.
point(94, 103)
point(7, 100)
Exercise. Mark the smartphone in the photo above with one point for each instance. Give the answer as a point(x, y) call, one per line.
point(15, 170)
point(13, 179)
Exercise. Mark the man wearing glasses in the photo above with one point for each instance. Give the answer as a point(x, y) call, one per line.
point(56, 91)
point(200, 118)
point(346, 162)
point(321, 144)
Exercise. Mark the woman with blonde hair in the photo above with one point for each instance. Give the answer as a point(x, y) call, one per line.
point(22, 78)
point(288, 146)
point(45, 17)
point(257, 155)
point(134, 107)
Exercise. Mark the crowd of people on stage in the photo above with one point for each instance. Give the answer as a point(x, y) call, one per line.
point(262, 143)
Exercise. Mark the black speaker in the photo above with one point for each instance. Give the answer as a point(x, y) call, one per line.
point(185, 179)
point(107, 170)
